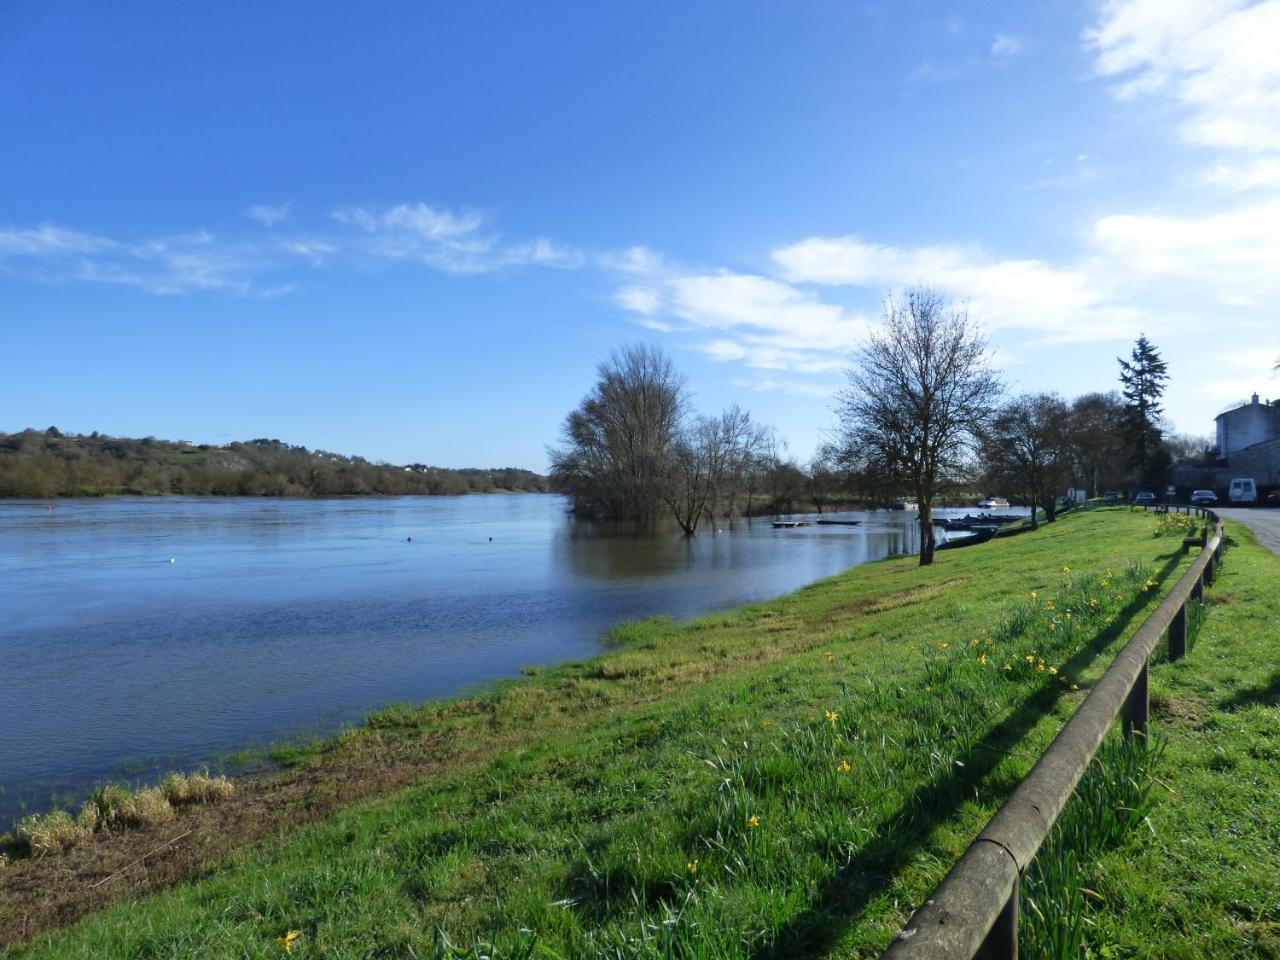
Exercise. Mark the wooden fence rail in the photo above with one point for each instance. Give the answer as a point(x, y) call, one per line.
point(974, 911)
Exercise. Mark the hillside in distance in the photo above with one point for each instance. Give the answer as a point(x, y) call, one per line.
point(43, 464)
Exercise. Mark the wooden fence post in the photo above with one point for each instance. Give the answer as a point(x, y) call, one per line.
point(1001, 942)
point(1178, 634)
point(1137, 706)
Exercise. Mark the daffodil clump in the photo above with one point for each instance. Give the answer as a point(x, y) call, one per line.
point(1176, 525)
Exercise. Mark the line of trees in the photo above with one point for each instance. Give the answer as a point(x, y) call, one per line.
point(45, 464)
point(923, 413)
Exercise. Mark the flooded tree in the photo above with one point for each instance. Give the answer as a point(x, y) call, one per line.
point(633, 446)
point(618, 445)
point(918, 394)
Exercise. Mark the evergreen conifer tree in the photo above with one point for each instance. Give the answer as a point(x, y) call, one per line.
point(1143, 378)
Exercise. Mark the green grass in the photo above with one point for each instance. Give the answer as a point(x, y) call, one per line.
point(785, 779)
point(1200, 876)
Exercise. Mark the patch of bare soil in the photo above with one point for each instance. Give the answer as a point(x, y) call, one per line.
point(1184, 710)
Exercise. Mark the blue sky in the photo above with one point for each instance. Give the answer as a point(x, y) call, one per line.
point(411, 230)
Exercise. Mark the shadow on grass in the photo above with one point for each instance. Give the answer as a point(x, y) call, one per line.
point(901, 836)
point(1265, 694)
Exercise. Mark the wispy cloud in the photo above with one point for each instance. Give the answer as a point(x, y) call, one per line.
point(163, 265)
point(453, 241)
point(1005, 45)
point(798, 387)
point(268, 215)
point(254, 265)
point(1218, 59)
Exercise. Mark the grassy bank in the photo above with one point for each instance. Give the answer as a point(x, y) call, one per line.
point(1200, 877)
point(779, 780)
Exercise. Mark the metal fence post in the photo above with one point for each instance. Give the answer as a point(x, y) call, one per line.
point(1001, 942)
point(1137, 706)
point(1178, 634)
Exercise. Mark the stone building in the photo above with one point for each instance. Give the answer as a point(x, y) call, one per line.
point(1248, 446)
point(1247, 425)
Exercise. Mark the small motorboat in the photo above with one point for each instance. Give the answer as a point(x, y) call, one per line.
point(994, 503)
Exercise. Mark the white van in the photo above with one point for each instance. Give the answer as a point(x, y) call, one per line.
point(1243, 490)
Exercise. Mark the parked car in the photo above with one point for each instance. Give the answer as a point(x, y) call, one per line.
point(1273, 499)
point(1204, 498)
point(1144, 497)
point(1111, 497)
point(1243, 491)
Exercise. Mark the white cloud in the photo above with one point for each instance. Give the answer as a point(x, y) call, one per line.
point(760, 322)
point(643, 300)
point(268, 215)
point(49, 240)
point(164, 265)
point(1059, 303)
point(1231, 257)
point(447, 240)
point(1005, 45)
point(1217, 58)
point(798, 387)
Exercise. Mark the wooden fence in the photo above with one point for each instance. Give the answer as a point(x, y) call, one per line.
point(974, 911)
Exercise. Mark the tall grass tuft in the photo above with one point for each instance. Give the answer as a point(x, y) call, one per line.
point(40, 835)
point(1114, 796)
point(185, 789)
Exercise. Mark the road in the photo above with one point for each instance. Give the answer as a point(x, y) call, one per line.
point(1265, 523)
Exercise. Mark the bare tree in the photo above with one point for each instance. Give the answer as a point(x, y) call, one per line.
point(1025, 448)
point(823, 476)
point(618, 443)
point(740, 442)
point(916, 399)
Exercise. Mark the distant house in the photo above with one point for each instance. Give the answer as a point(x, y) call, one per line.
point(1247, 425)
point(1248, 446)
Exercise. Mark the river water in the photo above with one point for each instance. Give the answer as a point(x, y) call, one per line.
point(139, 635)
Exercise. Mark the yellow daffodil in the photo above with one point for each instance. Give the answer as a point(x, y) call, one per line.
point(843, 766)
point(287, 940)
point(983, 659)
point(752, 822)
point(942, 645)
point(1039, 668)
point(830, 656)
point(1075, 686)
point(1054, 671)
point(693, 868)
point(1030, 658)
point(832, 717)
point(1066, 569)
point(1007, 667)
point(1034, 595)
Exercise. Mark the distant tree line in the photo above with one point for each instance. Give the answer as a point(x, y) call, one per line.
point(924, 414)
point(44, 464)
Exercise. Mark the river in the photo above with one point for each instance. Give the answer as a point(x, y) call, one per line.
point(139, 635)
